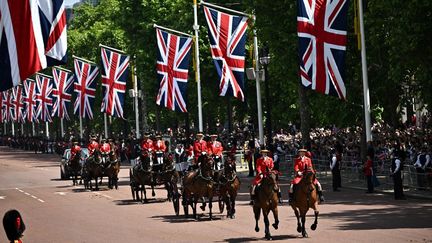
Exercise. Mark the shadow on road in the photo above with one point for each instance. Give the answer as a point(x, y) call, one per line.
point(250, 239)
point(183, 219)
point(124, 202)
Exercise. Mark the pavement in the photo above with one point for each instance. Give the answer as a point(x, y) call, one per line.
point(55, 211)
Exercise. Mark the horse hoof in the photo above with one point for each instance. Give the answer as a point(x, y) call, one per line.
point(268, 237)
point(313, 227)
point(256, 229)
point(305, 235)
point(153, 194)
point(275, 226)
point(202, 208)
point(233, 216)
point(299, 229)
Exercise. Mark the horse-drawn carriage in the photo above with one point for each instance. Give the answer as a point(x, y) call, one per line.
point(148, 172)
point(206, 183)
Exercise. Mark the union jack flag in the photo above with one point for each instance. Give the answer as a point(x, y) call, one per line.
point(32, 37)
point(172, 69)
point(321, 26)
point(115, 67)
point(44, 86)
point(63, 85)
point(17, 102)
point(85, 88)
point(227, 35)
point(30, 100)
point(7, 106)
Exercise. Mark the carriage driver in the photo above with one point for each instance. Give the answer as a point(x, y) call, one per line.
point(74, 150)
point(106, 147)
point(264, 163)
point(160, 149)
point(215, 149)
point(200, 147)
point(92, 145)
point(301, 164)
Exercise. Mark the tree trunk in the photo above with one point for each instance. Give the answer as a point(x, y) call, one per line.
point(304, 116)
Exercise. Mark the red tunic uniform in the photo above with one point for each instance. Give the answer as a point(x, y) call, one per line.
point(368, 168)
point(74, 150)
point(160, 146)
point(147, 144)
point(216, 148)
point(92, 146)
point(105, 148)
point(300, 165)
point(199, 147)
point(262, 164)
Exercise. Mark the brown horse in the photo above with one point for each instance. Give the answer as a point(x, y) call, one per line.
point(229, 184)
point(197, 185)
point(75, 165)
point(93, 169)
point(305, 198)
point(112, 167)
point(266, 199)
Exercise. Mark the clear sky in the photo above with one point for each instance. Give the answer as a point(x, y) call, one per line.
point(70, 2)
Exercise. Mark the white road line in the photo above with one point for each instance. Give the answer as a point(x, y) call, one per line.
point(28, 194)
point(2, 197)
point(103, 195)
point(60, 193)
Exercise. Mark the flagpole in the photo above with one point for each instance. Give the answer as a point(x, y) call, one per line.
point(106, 125)
point(171, 30)
point(47, 130)
point(135, 90)
point(61, 127)
point(223, 8)
point(81, 127)
point(197, 71)
point(13, 128)
point(258, 88)
point(33, 129)
point(366, 98)
point(22, 129)
point(4, 128)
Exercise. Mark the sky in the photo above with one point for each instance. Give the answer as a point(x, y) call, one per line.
point(70, 2)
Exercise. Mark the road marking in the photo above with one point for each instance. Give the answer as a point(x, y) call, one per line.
point(2, 197)
point(60, 193)
point(30, 195)
point(103, 195)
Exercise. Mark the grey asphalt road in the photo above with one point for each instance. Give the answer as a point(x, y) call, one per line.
point(55, 211)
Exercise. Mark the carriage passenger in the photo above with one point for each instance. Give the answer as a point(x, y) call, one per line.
point(301, 164)
point(93, 145)
point(147, 144)
point(264, 164)
point(74, 150)
point(160, 149)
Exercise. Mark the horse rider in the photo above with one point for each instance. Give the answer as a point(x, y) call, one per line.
point(74, 150)
point(160, 149)
point(264, 163)
point(215, 149)
point(301, 164)
point(147, 145)
point(200, 148)
point(93, 145)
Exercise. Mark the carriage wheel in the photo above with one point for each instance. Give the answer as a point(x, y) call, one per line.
point(221, 204)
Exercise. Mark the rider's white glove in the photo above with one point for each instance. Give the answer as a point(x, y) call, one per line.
point(261, 176)
point(299, 173)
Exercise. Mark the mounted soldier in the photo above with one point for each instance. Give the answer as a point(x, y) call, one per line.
point(302, 164)
point(215, 149)
point(93, 145)
point(264, 164)
point(75, 150)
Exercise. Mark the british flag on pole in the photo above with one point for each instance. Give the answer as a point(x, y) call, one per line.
point(85, 88)
point(17, 101)
point(62, 92)
point(321, 26)
point(7, 106)
point(44, 86)
point(30, 100)
point(115, 68)
point(32, 37)
point(172, 69)
point(227, 35)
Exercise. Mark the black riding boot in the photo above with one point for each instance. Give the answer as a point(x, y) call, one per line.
point(280, 197)
point(291, 197)
point(252, 199)
point(321, 197)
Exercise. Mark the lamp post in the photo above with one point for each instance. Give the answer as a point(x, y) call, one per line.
point(264, 61)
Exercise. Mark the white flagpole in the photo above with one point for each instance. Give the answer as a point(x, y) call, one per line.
point(135, 87)
point(197, 74)
point(258, 88)
point(33, 129)
point(106, 125)
point(13, 128)
point(22, 129)
point(4, 128)
point(61, 128)
point(47, 130)
point(366, 98)
point(81, 127)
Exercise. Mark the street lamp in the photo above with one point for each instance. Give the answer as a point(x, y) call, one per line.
point(264, 60)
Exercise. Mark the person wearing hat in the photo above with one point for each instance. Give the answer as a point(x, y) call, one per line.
point(76, 149)
point(264, 163)
point(93, 145)
point(215, 149)
point(105, 148)
point(200, 147)
point(14, 226)
point(160, 149)
point(147, 144)
point(335, 167)
point(302, 164)
point(396, 173)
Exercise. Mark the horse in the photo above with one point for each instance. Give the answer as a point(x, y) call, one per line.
point(229, 184)
point(94, 168)
point(111, 168)
point(75, 165)
point(140, 176)
point(305, 198)
point(267, 200)
point(198, 185)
